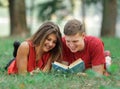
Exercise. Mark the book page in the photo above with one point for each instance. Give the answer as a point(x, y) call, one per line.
point(75, 63)
point(64, 62)
point(61, 65)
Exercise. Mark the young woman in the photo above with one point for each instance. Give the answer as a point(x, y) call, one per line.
point(38, 51)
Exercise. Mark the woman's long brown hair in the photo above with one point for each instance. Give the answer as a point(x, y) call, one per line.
point(39, 37)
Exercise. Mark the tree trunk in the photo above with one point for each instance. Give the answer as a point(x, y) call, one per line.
point(109, 18)
point(83, 13)
point(17, 18)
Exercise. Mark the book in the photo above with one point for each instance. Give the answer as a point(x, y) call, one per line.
point(75, 67)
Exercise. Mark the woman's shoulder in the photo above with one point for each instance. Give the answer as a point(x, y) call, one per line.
point(24, 46)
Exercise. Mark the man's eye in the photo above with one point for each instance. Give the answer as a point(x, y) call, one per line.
point(67, 41)
point(75, 41)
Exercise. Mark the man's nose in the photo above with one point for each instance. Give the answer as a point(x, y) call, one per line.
point(71, 44)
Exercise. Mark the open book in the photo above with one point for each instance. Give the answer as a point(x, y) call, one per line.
point(75, 67)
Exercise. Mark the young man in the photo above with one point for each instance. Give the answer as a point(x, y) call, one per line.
point(77, 45)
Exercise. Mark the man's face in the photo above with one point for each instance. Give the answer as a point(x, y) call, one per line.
point(75, 42)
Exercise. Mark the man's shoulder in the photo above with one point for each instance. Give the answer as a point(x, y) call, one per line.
point(93, 39)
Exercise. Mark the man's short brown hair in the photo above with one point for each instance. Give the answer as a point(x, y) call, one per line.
point(72, 27)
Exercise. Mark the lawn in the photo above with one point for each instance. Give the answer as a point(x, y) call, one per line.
point(57, 80)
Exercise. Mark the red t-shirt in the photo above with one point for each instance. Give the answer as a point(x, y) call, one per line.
point(32, 64)
point(92, 55)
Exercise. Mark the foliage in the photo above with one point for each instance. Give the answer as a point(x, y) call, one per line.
point(88, 2)
point(55, 80)
point(118, 5)
point(48, 8)
point(3, 3)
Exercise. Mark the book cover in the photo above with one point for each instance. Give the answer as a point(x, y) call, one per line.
point(75, 67)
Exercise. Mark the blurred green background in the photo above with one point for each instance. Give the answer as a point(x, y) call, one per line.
point(23, 17)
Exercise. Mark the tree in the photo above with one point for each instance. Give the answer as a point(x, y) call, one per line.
point(109, 18)
point(18, 25)
point(83, 13)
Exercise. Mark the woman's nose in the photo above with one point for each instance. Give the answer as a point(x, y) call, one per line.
point(51, 43)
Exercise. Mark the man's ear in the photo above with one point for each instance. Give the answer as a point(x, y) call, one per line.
point(83, 34)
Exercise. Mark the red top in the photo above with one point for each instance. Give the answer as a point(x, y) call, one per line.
point(32, 64)
point(92, 55)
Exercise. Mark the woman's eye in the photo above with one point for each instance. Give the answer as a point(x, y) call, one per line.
point(55, 42)
point(48, 39)
point(51, 40)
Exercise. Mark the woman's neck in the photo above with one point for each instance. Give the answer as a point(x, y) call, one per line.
point(39, 52)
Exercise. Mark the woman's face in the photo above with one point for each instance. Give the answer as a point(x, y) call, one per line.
point(50, 42)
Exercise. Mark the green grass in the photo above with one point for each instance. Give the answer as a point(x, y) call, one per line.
point(56, 80)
